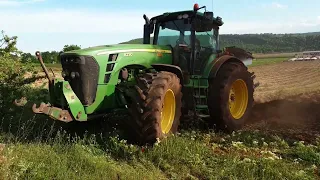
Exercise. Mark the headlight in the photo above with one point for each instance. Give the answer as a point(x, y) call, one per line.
point(73, 75)
point(64, 73)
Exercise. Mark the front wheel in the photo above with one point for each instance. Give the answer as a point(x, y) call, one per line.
point(230, 97)
point(155, 107)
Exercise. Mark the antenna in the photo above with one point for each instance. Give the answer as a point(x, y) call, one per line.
point(212, 5)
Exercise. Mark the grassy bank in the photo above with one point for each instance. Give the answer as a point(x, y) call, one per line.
point(266, 61)
point(54, 67)
point(190, 155)
point(275, 55)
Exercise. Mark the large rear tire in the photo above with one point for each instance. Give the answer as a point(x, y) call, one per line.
point(156, 108)
point(230, 97)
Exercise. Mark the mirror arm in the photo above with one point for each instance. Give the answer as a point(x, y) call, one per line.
point(147, 20)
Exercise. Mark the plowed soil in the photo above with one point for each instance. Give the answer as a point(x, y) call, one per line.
point(287, 102)
point(285, 79)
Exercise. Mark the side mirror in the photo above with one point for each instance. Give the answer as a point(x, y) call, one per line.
point(219, 21)
point(147, 20)
point(208, 15)
point(148, 23)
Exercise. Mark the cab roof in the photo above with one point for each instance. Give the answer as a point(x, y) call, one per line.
point(170, 16)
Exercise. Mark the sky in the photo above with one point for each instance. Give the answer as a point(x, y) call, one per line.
point(47, 25)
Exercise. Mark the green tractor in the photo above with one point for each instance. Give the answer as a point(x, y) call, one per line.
point(177, 72)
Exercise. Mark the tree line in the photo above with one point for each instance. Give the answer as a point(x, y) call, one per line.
point(255, 43)
point(48, 56)
point(273, 43)
point(8, 48)
point(267, 43)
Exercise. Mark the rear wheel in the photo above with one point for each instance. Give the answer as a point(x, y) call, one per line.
point(155, 108)
point(230, 97)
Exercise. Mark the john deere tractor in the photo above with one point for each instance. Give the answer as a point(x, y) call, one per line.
point(178, 72)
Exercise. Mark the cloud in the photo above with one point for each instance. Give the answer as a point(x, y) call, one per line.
point(278, 5)
point(290, 26)
point(274, 5)
point(75, 21)
point(309, 22)
point(313, 22)
point(51, 29)
point(18, 2)
point(83, 21)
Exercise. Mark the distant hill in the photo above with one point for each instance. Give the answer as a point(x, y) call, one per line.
point(268, 42)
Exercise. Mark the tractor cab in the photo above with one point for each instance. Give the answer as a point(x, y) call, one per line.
point(192, 35)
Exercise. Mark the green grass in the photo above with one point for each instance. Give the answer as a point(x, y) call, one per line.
point(267, 61)
point(54, 67)
point(275, 55)
point(190, 155)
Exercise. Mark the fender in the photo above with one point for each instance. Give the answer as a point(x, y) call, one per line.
point(170, 68)
point(220, 61)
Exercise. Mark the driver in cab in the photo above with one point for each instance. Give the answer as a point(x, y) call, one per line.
point(187, 46)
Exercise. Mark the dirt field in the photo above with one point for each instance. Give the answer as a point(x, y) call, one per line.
point(287, 102)
point(285, 79)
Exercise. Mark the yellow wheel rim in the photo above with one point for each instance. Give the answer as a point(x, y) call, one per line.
point(238, 98)
point(168, 111)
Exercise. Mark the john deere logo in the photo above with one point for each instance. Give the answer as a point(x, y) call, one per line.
point(127, 54)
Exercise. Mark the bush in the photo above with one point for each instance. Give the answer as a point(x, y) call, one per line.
point(15, 121)
point(12, 82)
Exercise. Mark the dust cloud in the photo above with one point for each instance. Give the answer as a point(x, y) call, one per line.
point(296, 117)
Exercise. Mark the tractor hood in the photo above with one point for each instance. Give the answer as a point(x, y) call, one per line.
point(106, 49)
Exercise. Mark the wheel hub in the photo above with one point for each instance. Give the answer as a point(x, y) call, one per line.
point(168, 111)
point(238, 98)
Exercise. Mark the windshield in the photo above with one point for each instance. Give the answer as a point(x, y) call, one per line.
point(179, 32)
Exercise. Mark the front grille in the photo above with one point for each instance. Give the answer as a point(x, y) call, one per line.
point(110, 67)
point(86, 74)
